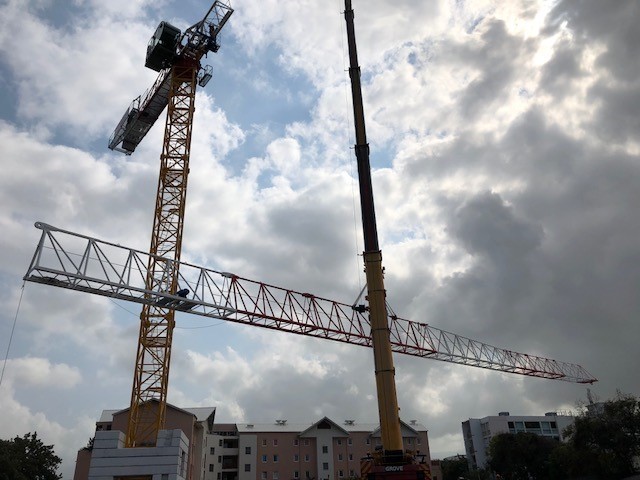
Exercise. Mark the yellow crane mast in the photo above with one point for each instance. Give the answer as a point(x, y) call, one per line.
point(177, 58)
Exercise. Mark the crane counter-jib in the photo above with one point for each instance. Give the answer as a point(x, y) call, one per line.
point(141, 115)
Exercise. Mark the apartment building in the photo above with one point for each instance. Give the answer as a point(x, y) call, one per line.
point(478, 432)
point(205, 450)
point(324, 450)
point(178, 454)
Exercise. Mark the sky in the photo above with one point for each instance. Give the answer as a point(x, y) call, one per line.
point(505, 146)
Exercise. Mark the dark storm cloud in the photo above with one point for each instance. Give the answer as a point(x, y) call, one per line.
point(613, 25)
point(496, 60)
point(617, 117)
point(558, 74)
point(487, 227)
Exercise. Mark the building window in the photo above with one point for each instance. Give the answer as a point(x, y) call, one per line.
point(247, 467)
point(275, 459)
point(418, 441)
point(349, 441)
point(296, 474)
point(306, 457)
point(325, 449)
point(339, 441)
point(410, 441)
point(219, 459)
point(306, 442)
point(339, 456)
point(264, 459)
point(212, 450)
point(263, 475)
point(340, 473)
point(351, 456)
point(276, 476)
point(275, 442)
point(220, 442)
point(296, 458)
point(368, 441)
point(247, 450)
point(307, 474)
point(325, 466)
point(211, 467)
point(219, 476)
point(295, 442)
point(352, 473)
point(264, 442)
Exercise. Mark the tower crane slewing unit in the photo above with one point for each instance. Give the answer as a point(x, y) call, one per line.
point(177, 58)
point(166, 48)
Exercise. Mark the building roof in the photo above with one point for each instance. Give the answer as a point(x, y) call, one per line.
point(201, 413)
point(547, 416)
point(347, 425)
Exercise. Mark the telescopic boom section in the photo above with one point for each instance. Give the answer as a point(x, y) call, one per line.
point(383, 359)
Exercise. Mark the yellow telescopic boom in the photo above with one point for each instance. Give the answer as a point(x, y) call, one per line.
point(385, 372)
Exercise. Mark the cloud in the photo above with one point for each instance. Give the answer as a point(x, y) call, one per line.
point(39, 372)
point(505, 153)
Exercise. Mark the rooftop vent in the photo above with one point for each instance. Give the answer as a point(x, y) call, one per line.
point(249, 425)
point(551, 414)
point(503, 414)
point(349, 422)
point(413, 422)
point(281, 422)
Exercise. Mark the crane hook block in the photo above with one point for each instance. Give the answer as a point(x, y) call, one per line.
point(161, 50)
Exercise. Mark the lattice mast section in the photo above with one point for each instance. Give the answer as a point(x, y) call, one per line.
point(153, 357)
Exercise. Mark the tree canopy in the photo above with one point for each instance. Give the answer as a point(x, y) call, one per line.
point(601, 444)
point(610, 434)
point(27, 458)
point(520, 456)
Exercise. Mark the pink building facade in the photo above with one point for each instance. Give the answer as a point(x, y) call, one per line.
point(324, 450)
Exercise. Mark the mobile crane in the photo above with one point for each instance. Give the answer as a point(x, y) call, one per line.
point(393, 460)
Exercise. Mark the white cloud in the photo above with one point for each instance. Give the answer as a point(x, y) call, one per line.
point(39, 372)
point(505, 184)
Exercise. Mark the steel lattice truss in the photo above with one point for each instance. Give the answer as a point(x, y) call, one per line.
point(77, 262)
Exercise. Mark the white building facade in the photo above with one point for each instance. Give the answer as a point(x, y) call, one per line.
point(478, 432)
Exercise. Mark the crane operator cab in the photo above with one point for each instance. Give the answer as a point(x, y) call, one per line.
point(162, 47)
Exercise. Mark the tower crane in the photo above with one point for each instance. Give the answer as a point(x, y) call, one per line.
point(177, 57)
point(163, 284)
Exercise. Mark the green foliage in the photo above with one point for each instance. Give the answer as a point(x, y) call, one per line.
point(601, 444)
point(454, 468)
point(457, 468)
point(609, 434)
point(520, 456)
point(27, 458)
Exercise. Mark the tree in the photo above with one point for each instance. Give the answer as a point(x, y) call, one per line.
point(454, 468)
point(27, 458)
point(521, 456)
point(609, 434)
